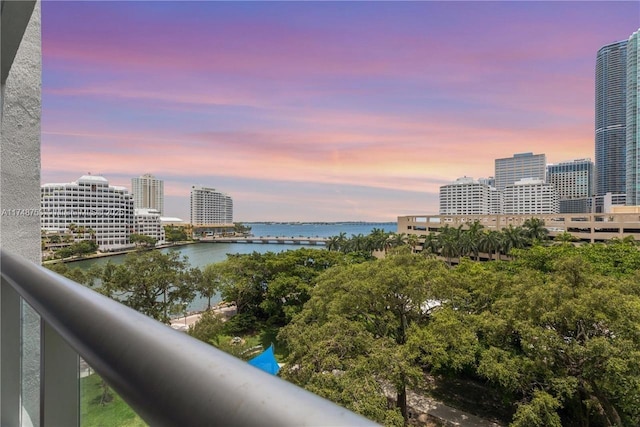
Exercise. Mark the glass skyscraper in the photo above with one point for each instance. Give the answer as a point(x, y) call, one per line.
point(633, 120)
point(610, 123)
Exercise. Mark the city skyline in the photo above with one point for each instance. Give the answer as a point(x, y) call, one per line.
point(318, 111)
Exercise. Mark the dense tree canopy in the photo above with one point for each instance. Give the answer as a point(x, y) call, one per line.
point(142, 241)
point(271, 288)
point(358, 319)
point(554, 331)
point(156, 284)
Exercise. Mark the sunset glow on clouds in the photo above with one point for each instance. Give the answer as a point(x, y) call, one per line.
point(318, 111)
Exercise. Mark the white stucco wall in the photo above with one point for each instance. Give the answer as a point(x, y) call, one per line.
point(20, 184)
point(20, 148)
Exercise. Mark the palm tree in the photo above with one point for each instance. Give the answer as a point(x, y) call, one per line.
point(396, 239)
point(565, 238)
point(465, 243)
point(358, 242)
point(512, 238)
point(431, 244)
point(449, 238)
point(412, 241)
point(490, 242)
point(377, 239)
point(474, 237)
point(333, 243)
point(535, 230)
point(342, 242)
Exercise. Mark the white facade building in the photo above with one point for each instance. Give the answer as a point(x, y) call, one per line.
point(530, 196)
point(148, 193)
point(147, 222)
point(209, 206)
point(495, 201)
point(468, 197)
point(89, 202)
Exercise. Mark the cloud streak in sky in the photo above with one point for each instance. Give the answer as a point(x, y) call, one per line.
point(384, 101)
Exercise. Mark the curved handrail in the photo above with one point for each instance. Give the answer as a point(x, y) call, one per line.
point(167, 377)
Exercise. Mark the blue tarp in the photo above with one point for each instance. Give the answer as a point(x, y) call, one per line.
point(266, 361)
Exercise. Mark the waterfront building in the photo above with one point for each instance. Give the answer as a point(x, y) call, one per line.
point(524, 165)
point(573, 181)
point(633, 120)
point(148, 223)
point(530, 196)
point(92, 208)
point(610, 118)
point(148, 193)
point(467, 197)
point(209, 206)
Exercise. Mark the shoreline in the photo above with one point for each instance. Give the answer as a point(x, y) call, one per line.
point(122, 252)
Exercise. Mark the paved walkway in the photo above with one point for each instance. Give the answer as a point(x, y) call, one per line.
point(423, 406)
point(183, 323)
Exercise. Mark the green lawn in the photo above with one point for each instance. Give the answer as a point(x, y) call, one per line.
point(115, 413)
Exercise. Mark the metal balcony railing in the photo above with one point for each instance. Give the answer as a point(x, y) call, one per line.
point(167, 377)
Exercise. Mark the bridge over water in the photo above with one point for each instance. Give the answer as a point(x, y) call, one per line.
point(269, 240)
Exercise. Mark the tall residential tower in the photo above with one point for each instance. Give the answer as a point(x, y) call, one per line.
point(148, 193)
point(610, 123)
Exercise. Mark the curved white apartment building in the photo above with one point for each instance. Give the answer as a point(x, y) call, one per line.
point(89, 202)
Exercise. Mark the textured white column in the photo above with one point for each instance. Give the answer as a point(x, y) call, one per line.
point(20, 173)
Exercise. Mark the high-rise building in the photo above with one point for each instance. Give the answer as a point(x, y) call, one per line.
point(574, 182)
point(468, 197)
point(209, 206)
point(610, 118)
point(90, 208)
point(523, 165)
point(148, 193)
point(530, 196)
point(633, 120)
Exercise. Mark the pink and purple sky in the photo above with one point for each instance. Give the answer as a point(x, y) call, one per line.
point(318, 111)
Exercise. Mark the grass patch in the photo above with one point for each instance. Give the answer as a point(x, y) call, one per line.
point(110, 413)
